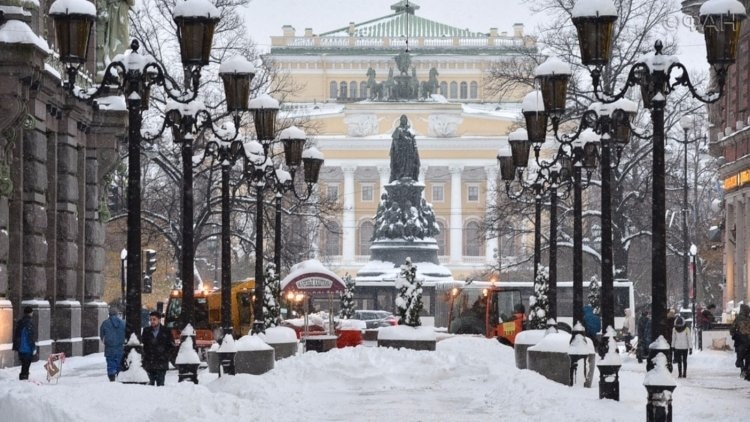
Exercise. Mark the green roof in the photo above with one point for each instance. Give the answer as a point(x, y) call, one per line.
point(402, 24)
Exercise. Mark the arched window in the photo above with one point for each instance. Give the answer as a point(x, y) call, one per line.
point(365, 234)
point(444, 89)
point(363, 90)
point(440, 238)
point(473, 239)
point(454, 90)
point(342, 89)
point(464, 90)
point(332, 242)
point(334, 88)
point(473, 90)
point(352, 89)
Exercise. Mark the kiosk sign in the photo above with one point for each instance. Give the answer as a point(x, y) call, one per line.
point(314, 283)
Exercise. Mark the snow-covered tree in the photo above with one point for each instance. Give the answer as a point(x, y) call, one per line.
point(595, 295)
point(347, 298)
point(271, 297)
point(409, 297)
point(539, 303)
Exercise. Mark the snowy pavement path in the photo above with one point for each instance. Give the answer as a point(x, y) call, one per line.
point(466, 379)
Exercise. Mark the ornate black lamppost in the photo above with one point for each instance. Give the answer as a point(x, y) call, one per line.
point(133, 76)
point(262, 173)
point(594, 21)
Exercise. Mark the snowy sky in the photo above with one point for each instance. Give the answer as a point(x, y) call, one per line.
point(265, 18)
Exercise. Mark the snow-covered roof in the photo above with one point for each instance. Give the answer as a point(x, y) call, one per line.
point(17, 32)
point(585, 8)
point(533, 101)
point(263, 101)
point(72, 7)
point(719, 7)
point(196, 8)
point(313, 277)
point(552, 66)
point(236, 64)
point(313, 152)
point(292, 132)
point(399, 24)
point(405, 332)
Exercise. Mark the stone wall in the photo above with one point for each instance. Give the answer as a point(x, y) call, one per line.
point(54, 151)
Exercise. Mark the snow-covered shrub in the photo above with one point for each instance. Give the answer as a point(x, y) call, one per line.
point(409, 297)
point(271, 294)
point(347, 298)
point(539, 303)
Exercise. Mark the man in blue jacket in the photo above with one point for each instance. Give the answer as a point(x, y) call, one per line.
point(24, 341)
point(112, 333)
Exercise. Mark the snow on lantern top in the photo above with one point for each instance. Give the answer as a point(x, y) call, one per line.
point(533, 101)
point(552, 66)
point(722, 7)
point(587, 8)
point(72, 7)
point(196, 8)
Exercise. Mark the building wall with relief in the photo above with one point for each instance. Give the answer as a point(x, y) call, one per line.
point(54, 152)
point(730, 138)
point(457, 138)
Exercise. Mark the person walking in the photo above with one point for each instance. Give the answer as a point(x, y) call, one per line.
point(644, 335)
point(740, 333)
point(671, 315)
point(157, 348)
point(24, 341)
point(681, 345)
point(112, 333)
point(592, 323)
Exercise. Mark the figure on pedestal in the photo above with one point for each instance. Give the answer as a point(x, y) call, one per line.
point(404, 154)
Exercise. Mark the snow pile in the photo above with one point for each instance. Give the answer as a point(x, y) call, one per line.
point(251, 343)
point(17, 32)
point(553, 342)
point(461, 381)
point(405, 332)
point(352, 324)
point(530, 336)
point(277, 335)
point(135, 373)
point(228, 345)
point(187, 354)
point(659, 375)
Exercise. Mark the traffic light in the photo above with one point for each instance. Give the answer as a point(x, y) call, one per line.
point(150, 262)
point(147, 285)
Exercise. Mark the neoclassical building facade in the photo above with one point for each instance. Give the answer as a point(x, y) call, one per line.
point(458, 132)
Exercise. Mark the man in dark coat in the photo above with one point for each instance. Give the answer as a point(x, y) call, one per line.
point(157, 348)
point(644, 335)
point(112, 333)
point(24, 341)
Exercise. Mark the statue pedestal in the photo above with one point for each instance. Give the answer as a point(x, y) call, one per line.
point(401, 191)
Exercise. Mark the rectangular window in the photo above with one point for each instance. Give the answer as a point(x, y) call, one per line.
point(367, 192)
point(332, 192)
point(437, 193)
point(472, 192)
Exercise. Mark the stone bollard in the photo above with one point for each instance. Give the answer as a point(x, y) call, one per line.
point(134, 374)
point(253, 356)
point(524, 340)
point(550, 358)
point(283, 340)
point(404, 336)
point(212, 359)
point(660, 345)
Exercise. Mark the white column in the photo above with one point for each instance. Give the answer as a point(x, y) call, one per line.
point(385, 173)
point(491, 243)
point(348, 223)
point(423, 173)
point(456, 220)
point(729, 250)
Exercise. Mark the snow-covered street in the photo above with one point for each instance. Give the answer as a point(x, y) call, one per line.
point(466, 379)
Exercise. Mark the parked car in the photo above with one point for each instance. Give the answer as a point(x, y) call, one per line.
point(375, 319)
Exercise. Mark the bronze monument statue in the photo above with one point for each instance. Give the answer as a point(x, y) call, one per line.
point(404, 154)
